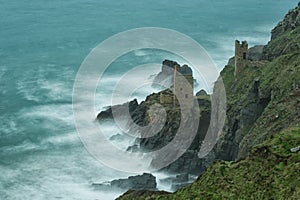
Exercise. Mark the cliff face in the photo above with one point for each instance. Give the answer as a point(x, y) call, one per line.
point(189, 161)
point(285, 37)
point(262, 129)
point(290, 21)
point(264, 101)
point(268, 173)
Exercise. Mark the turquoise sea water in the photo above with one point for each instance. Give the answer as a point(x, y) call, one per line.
point(42, 45)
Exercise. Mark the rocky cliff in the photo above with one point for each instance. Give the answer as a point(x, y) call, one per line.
point(262, 132)
point(189, 161)
point(264, 101)
point(285, 36)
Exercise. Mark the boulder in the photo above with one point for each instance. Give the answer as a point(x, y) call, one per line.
point(145, 181)
point(139, 182)
point(255, 53)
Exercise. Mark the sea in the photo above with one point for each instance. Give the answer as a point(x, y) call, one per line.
point(42, 47)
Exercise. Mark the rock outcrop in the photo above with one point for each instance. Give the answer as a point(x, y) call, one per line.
point(289, 23)
point(255, 53)
point(145, 181)
point(118, 110)
point(260, 140)
point(262, 85)
point(239, 118)
point(166, 76)
point(285, 36)
point(189, 161)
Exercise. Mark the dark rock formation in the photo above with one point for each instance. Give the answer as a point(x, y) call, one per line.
point(139, 182)
point(289, 23)
point(118, 109)
point(263, 116)
point(166, 76)
point(145, 181)
point(285, 37)
point(240, 118)
point(189, 161)
point(255, 53)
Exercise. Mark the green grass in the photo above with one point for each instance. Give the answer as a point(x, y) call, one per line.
point(278, 79)
point(270, 172)
point(287, 43)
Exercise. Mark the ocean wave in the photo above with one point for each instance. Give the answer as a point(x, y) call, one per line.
point(46, 85)
point(36, 123)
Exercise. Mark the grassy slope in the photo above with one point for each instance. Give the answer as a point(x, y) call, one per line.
point(277, 79)
point(271, 171)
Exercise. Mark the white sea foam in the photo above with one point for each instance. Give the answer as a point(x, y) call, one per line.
point(35, 85)
point(115, 86)
point(61, 177)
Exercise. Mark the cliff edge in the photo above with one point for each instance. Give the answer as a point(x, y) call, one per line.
point(257, 156)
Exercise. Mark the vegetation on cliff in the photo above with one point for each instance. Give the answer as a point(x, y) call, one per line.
point(262, 126)
point(270, 172)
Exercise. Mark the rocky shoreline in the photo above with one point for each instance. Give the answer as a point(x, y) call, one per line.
point(256, 106)
point(189, 164)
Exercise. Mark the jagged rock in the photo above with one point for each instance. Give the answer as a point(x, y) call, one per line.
point(285, 36)
point(139, 182)
point(263, 105)
point(166, 76)
point(255, 53)
point(145, 181)
point(189, 161)
point(107, 114)
point(290, 22)
point(243, 116)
